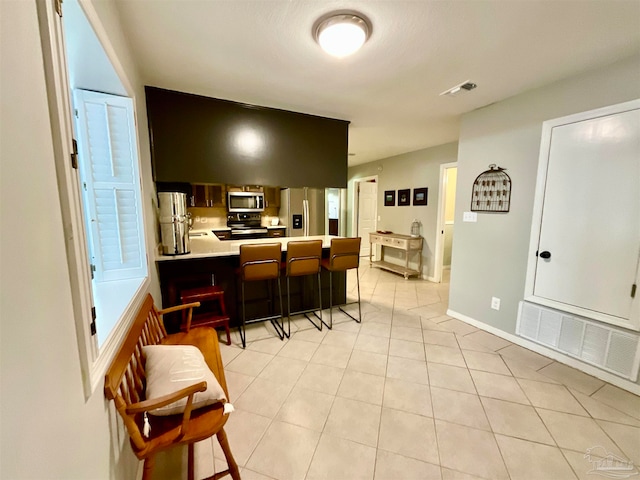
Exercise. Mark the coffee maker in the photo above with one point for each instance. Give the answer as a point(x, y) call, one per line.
point(174, 223)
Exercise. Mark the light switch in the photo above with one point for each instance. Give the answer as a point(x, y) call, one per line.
point(469, 217)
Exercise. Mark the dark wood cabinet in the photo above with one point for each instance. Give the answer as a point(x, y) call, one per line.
point(207, 195)
point(196, 139)
point(272, 197)
point(276, 232)
point(245, 188)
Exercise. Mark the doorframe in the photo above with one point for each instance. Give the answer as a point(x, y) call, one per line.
point(536, 223)
point(442, 196)
point(356, 204)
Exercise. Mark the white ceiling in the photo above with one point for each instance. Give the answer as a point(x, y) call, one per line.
point(262, 52)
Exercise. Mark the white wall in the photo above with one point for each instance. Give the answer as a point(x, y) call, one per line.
point(490, 256)
point(48, 429)
point(410, 170)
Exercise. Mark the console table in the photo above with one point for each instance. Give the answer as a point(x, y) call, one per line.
point(401, 242)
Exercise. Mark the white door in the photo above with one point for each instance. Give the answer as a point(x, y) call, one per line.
point(367, 211)
point(590, 228)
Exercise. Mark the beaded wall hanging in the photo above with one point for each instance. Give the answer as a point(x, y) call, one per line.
point(491, 191)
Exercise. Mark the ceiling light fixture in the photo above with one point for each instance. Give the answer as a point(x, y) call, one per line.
point(341, 34)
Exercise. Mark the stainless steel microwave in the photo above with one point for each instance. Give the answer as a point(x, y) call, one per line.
point(245, 202)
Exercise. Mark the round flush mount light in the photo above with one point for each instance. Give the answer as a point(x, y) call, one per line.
point(341, 34)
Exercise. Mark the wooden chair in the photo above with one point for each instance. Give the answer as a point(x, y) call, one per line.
point(125, 383)
point(344, 254)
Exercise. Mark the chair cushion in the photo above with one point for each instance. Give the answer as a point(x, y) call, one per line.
point(170, 368)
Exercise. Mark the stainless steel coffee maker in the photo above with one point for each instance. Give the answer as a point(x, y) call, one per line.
point(174, 223)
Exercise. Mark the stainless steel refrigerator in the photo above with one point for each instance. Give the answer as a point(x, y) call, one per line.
point(302, 210)
point(313, 211)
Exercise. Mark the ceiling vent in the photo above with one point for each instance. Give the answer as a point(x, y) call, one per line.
point(463, 87)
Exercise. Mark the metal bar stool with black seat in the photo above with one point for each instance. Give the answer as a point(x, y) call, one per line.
point(344, 254)
point(260, 263)
point(304, 258)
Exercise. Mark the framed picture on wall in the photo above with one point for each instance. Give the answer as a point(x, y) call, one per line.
point(404, 197)
point(420, 196)
point(389, 198)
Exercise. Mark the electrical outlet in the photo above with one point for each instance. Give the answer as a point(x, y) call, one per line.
point(495, 303)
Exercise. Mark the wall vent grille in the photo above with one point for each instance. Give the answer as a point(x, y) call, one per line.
point(609, 348)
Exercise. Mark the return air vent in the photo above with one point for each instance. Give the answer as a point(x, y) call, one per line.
point(605, 347)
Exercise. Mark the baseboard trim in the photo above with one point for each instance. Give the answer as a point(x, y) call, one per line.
point(547, 352)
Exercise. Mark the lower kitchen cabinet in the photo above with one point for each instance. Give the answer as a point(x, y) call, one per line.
point(277, 232)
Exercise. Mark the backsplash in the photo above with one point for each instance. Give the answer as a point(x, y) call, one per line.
point(207, 218)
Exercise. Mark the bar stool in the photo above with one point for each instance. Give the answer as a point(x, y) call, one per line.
point(304, 258)
point(344, 254)
point(213, 294)
point(258, 263)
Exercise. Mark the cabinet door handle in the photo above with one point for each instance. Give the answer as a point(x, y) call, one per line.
point(545, 254)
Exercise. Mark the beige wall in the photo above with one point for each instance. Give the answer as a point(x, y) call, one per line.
point(48, 429)
point(490, 256)
point(410, 170)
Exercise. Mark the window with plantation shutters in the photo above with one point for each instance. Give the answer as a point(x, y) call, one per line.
point(109, 173)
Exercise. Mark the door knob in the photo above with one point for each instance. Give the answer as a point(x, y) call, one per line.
point(545, 254)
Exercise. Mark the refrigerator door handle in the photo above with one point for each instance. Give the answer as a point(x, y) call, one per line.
point(305, 218)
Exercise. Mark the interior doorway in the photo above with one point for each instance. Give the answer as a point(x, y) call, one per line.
point(446, 215)
point(365, 207)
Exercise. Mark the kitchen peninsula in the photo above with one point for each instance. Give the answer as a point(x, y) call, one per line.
point(213, 260)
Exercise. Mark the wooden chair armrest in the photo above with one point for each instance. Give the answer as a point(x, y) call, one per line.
point(177, 308)
point(185, 306)
point(152, 404)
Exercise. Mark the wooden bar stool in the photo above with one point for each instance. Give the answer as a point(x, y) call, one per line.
point(204, 295)
point(344, 254)
point(260, 262)
point(303, 259)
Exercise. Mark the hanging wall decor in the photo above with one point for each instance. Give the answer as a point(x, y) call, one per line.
point(420, 196)
point(491, 191)
point(389, 198)
point(404, 197)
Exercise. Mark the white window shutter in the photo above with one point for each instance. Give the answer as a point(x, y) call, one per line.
point(109, 170)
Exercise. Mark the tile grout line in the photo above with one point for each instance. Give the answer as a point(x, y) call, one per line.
point(493, 433)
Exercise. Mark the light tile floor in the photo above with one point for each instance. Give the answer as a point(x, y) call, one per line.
point(410, 394)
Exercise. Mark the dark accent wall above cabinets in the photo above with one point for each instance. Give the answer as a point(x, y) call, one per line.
point(198, 139)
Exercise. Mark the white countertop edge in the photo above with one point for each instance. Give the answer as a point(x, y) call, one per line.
point(211, 246)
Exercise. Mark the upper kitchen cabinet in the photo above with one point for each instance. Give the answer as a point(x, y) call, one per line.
point(198, 139)
point(272, 197)
point(205, 195)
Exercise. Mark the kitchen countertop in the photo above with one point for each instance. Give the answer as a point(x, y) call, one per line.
point(208, 245)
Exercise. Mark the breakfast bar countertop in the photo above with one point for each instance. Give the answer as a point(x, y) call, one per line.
point(208, 245)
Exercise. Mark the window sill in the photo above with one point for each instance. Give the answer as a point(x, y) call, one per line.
point(136, 293)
